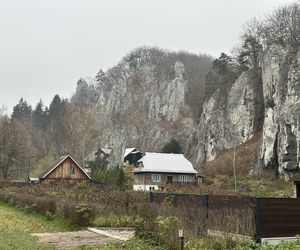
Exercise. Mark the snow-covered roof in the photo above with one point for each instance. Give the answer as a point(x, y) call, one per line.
point(165, 163)
point(128, 151)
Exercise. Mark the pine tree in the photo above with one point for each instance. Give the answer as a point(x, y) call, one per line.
point(22, 112)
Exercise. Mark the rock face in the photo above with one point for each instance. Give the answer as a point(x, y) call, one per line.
point(145, 101)
point(146, 115)
point(141, 106)
point(229, 119)
point(281, 131)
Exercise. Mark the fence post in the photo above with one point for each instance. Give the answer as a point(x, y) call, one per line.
point(205, 206)
point(257, 235)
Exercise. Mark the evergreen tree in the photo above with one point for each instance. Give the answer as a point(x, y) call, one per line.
point(172, 147)
point(250, 54)
point(57, 132)
point(39, 116)
point(22, 112)
point(55, 108)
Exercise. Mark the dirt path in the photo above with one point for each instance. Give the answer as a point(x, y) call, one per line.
point(92, 236)
point(65, 240)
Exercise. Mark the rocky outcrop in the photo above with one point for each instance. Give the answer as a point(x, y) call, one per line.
point(140, 109)
point(145, 101)
point(229, 118)
point(281, 130)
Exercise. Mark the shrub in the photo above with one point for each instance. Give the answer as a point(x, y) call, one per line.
point(80, 214)
point(112, 177)
point(85, 215)
point(167, 230)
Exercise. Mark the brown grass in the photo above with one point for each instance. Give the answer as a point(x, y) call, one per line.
point(223, 165)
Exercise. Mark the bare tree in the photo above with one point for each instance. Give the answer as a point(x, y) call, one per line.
point(82, 129)
point(282, 27)
point(16, 149)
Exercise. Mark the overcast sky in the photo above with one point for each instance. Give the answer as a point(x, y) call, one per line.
point(47, 45)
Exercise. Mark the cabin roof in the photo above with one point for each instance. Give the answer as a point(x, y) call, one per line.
point(56, 163)
point(165, 163)
point(130, 151)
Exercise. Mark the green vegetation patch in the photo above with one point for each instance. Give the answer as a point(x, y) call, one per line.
point(16, 227)
point(133, 244)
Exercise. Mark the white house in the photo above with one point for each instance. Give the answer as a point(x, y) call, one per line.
point(156, 171)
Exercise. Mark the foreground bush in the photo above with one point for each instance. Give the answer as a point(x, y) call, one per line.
point(79, 214)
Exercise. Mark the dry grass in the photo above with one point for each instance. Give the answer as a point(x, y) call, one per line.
point(223, 165)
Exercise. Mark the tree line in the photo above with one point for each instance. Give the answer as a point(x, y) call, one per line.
point(30, 135)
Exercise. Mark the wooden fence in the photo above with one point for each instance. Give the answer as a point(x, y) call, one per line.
point(249, 216)
point(277, 217)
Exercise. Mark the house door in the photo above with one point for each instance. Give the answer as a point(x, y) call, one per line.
point(169, 179)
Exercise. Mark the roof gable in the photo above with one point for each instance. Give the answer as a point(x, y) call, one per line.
point(57, 163)
point(128, 151)
point(165, 163)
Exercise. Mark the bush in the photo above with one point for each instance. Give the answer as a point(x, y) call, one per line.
point(113, 177)
point(167, 230)
point(80, 214)
point(85, 215)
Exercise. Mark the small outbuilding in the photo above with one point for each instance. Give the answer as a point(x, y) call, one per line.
point(65, 169)
point(156, 171)
point(98, 158)
point(131, 156)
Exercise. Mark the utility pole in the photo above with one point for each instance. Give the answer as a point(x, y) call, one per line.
point(234, 172)
point(233, 159)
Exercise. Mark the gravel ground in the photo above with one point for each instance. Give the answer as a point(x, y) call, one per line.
point(65, 240)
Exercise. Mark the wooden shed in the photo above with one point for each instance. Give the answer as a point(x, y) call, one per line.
point(65, 169)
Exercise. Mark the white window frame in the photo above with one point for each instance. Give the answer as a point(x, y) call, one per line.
point(151, 188)
point(183, 178)
point(155, 177)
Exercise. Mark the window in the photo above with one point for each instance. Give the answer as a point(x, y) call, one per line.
point(155, 177)
point(72, 170)
point(183, 178)
point(151, 188)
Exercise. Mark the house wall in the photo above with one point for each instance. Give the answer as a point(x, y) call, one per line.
point(67, 171)
point(143, 181)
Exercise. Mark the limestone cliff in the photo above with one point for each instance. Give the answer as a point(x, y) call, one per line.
point(145, 101)
point(281, 131)
point(229, 118)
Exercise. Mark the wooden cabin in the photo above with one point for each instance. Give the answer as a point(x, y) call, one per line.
point(66, 170)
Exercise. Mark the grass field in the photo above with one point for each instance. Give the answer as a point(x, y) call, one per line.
point(16, 227)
